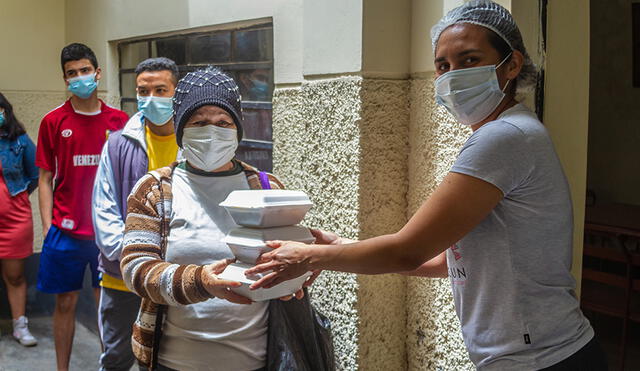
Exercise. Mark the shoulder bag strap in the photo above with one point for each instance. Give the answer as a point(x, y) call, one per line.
point(157, 333)
point(264, 180)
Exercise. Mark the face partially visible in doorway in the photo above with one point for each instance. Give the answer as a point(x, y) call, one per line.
point(254, 85)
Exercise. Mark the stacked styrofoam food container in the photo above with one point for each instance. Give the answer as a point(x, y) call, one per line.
point(264, 215)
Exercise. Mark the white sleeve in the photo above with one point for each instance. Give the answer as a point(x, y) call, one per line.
point(105, 212)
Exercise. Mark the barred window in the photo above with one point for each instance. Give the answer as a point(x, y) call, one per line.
point(244, 53)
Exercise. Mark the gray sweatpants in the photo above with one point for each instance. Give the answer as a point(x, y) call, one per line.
point(116, 314)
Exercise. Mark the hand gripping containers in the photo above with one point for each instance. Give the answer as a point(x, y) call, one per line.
point(248, 243)
point(267, 208)
point(265, 215)
point(235, 272)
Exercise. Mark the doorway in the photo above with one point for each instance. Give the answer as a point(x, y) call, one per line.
point(611, 265)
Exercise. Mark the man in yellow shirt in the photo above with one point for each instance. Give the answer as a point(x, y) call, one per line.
point(147, 142)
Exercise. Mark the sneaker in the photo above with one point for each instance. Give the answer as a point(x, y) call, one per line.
point(21, 332)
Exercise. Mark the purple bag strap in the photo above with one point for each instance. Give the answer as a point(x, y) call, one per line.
point(264, 180)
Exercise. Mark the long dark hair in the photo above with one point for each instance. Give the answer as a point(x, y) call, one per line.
point(12, 127)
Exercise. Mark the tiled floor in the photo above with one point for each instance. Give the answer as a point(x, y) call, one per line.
point(15, 357)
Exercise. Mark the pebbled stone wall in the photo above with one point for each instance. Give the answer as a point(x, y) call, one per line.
point(369, 152)
point(315, 149)
point(434, 340)
point(384, 129)
point(343, 141)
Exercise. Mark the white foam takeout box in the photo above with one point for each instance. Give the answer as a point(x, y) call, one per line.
point(248, 243)
point(267, 207)
point(235, 272)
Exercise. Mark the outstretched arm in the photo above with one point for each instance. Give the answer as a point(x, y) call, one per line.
point(459, 204)
point(29, 164)
point(434, 268)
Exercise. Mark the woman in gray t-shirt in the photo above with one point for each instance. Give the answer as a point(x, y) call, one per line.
point(499, 225)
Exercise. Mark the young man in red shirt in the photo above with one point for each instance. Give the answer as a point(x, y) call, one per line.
point(70, 141)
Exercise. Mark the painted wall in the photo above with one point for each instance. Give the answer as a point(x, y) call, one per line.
point(106, 21)
point(332, 37)
point(32, 38)
point(614, 113)
point(566, 113)
point(30, 74)
point(386, 38)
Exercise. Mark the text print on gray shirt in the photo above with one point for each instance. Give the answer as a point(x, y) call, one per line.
point(510, 275)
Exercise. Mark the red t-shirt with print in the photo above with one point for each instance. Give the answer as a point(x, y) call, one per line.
point(69, 145)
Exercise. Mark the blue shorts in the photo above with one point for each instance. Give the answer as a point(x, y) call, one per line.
point(63, 261)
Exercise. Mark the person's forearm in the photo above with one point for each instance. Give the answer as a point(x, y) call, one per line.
point(45, 202)
point(384, 254)
point(433, 268)
point(344, 241)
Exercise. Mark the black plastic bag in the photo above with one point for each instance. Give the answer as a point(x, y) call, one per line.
point(299, 337)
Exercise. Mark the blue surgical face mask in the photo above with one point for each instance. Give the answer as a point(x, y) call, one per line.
point(470, 94)
point(2, 119)
point(260, 89)
point(158, 110)
point(83, 86)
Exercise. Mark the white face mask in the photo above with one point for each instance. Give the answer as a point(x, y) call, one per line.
point(470, 94)
point(209, 147)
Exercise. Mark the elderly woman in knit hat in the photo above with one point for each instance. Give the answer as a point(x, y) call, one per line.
point(500, 223)
point(204, 325)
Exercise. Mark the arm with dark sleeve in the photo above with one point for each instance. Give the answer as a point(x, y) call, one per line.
point(29, 164)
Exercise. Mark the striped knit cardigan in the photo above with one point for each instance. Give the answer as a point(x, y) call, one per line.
point(142, 263)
